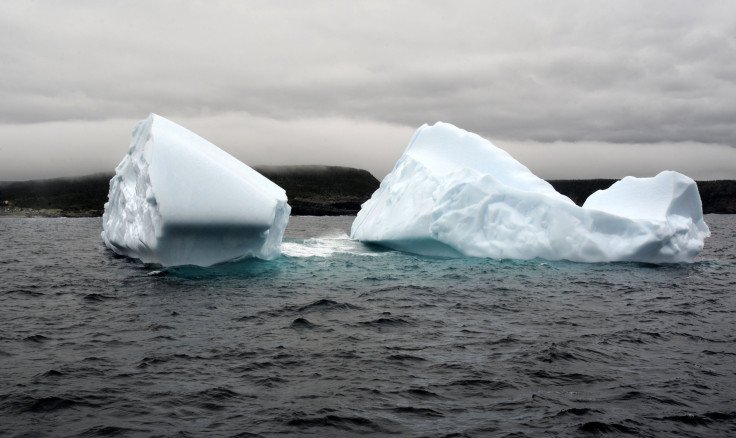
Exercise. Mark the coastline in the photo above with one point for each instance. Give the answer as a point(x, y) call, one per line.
point(46, 213)
point(312, 191)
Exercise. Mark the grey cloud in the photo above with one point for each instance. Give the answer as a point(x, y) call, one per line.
point(621, 72)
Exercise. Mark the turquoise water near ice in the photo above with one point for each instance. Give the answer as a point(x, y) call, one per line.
point(337, 338)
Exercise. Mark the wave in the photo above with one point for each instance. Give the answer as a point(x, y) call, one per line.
point(326, 246)
point(343, 423)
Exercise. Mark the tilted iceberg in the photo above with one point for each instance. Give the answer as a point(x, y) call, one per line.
point(454, 193)
point(177, 199)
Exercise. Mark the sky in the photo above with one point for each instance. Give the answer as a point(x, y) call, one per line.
point(572, 89)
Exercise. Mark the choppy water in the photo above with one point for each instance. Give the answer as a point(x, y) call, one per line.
point(339, 339)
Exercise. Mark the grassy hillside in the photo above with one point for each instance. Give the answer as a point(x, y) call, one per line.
point(82, 196)
point(718, 196)
point(323, 190)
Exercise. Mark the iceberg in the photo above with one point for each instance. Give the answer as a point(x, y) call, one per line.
point(177, 199)
point(453, 193)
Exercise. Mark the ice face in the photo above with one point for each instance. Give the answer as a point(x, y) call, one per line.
point(454, 193)
point(177, 199)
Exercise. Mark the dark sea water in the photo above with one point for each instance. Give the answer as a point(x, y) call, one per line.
point(339, 339)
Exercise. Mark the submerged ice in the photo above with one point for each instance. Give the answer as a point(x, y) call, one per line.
point(454, 193)
point(177, 199)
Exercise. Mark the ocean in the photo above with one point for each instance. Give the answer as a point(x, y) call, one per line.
point(339, 339)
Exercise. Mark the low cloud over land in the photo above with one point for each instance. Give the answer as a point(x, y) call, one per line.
point(573, 89)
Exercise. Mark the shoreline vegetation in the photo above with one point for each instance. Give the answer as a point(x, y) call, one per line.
point(312, 191)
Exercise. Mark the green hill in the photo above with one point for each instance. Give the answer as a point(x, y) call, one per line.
point(81, 196)
point(323, 190)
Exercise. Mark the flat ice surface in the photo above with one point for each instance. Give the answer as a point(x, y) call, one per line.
point(454, 193)
point(177, 199)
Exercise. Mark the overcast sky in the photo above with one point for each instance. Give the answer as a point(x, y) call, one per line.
point(573, 89)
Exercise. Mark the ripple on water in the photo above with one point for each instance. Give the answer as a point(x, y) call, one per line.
point(337, 338)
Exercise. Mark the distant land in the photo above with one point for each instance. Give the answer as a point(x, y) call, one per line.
point(323, 190)
point(718, 196)
point(312, 190)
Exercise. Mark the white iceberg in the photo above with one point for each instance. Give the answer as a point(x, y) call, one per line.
point(177, 199)
point(454, 193)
